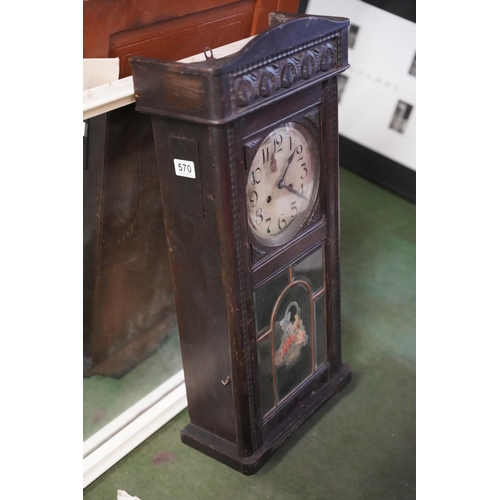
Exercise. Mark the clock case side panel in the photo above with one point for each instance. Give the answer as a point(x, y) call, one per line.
point(332, 257)
point(198, 260)
point(238, 291)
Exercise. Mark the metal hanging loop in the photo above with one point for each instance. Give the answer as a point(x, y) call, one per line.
point(208, 53)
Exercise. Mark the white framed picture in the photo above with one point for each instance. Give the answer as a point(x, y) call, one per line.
point(377, 94)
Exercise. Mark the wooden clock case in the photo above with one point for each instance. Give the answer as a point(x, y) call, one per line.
point(214, 114)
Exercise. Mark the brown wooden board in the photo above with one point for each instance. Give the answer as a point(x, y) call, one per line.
point(103, 18)
point(189, 34)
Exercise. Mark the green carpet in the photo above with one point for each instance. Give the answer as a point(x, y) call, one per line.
point(361, 444)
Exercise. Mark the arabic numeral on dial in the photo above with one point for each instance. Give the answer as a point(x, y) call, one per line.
point(269, 225)
point(258, 216)
point(304, 173)
point(281, 222)
point(253, 198)
point(265, 154)
point(256, 176)
point(294, 209)
point(278, 141)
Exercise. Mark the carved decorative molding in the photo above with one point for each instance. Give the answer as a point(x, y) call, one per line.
point(250, 149)
point(247, 347)
point(314, 118)
point(317, 213)
point(257, 253)
point(284, 70)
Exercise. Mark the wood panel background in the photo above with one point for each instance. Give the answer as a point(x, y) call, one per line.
point(103, 18)
point(186, 35)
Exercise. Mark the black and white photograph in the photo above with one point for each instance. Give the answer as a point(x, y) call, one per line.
point(353, 33)
point(341, 81)
point(413, 68)
point(401, 116)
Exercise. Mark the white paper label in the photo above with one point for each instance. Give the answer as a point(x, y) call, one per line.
point(184, 168)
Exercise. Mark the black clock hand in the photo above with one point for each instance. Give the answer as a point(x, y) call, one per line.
point(290, 188)
point(281, 183)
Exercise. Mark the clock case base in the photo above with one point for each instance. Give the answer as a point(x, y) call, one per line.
point(226, 453)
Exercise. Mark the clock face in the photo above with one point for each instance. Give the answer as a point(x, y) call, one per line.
point(282, 184)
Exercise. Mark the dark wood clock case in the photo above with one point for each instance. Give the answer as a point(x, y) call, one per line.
point(214, 114)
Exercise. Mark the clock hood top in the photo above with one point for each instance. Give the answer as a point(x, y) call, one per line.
point(265, 69)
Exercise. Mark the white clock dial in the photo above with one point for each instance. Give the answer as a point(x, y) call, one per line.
point(282, 183)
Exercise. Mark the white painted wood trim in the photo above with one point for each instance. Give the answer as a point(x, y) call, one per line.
point(129, 415)
point(104, 98)
point(147, 423)
point(98, 71)
point(113, 95)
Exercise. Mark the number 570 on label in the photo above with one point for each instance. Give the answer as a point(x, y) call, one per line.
point(184, 168)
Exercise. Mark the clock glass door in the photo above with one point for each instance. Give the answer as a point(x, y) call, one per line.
point(282, 184)
point(290, 319)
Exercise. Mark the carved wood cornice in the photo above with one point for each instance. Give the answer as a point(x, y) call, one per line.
point(277, 73)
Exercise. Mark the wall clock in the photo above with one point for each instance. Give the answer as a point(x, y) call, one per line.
point(247, 150)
